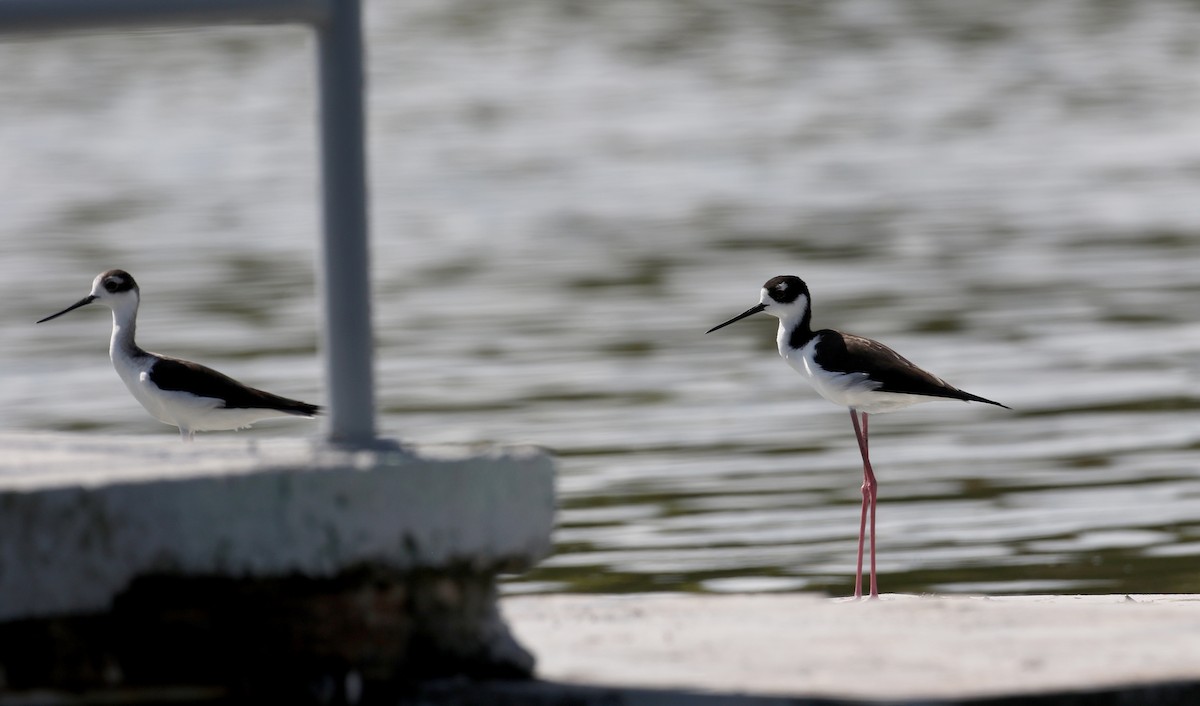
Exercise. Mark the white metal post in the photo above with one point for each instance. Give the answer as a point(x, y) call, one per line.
point(345, 285)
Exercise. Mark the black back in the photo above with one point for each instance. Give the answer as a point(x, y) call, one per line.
point(186, 376)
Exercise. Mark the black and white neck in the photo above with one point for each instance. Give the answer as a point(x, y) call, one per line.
point(124, 298)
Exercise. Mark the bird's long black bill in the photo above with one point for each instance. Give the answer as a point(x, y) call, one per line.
point(749, 312)
point(82, 302)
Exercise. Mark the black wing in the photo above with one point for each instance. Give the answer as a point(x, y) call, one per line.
point(847, 353)
point(186, 376)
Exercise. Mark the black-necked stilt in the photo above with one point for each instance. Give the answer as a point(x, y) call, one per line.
point(852, 371)
point(179, 392)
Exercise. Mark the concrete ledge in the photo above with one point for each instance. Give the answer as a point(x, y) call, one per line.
point(118, 556)
point(684, 649)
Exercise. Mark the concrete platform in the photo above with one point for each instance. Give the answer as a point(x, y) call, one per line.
point(81, 517)
point(132, 561)
point(683, 649)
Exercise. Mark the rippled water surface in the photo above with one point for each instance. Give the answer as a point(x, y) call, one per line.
point(566, 195)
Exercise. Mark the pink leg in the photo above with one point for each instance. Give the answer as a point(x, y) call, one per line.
point(870, 494)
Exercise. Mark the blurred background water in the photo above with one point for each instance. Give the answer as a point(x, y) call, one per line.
point(566, 194)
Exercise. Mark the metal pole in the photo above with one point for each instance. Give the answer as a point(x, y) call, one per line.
point(345, 274)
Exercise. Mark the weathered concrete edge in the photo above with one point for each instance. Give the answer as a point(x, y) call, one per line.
point(81, 518)
point(545, 693)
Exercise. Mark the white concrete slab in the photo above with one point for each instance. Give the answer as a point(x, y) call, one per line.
point(900, 649)
point(81, 516)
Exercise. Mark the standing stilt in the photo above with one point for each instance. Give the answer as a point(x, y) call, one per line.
point(850, 371)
